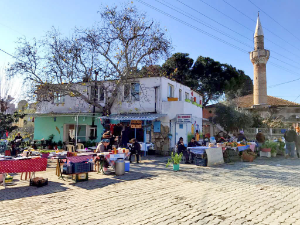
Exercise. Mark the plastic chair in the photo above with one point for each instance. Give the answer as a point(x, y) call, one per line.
point(80, 146)
point(70, 148)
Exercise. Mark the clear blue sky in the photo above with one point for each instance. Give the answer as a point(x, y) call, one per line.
point(33, 18)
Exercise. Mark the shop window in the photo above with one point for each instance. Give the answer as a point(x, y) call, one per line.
point(132, 92)
point(58, 98)
point(180, 126)
point(170, 91)
point(180, 95)
point(187, 96)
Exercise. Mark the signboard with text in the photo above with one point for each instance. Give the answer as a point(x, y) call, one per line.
point(184, 118)
point(136, 124)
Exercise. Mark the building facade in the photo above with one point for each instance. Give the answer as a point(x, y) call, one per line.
point(156, 101)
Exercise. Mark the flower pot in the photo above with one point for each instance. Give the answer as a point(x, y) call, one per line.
point(45, 155)
point(175, 167)
point(266, 149)
point(172, 99)
point(274, 154)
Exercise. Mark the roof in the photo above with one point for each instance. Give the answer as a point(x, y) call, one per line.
point(134, 116)
point(258, 29)
point(247, 101)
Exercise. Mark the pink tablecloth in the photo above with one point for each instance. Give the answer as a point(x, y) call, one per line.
point(24, 165)
point(111, 159)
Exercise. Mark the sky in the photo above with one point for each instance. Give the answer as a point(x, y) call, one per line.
point(220, 29)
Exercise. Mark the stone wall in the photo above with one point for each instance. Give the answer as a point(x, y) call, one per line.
point(161, 140)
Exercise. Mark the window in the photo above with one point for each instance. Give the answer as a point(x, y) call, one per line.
point(180, 95)
point(135, 91)
point(170, 91)
point(97, 93)
point(101, 94)
point(94, 93)
point(132, 92)
point(187, 95)
point(59, 98)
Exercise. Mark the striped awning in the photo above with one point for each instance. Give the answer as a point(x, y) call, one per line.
point(143, 116)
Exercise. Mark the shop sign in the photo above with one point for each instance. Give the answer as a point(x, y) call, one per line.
point(184, 118)
point(137, 124)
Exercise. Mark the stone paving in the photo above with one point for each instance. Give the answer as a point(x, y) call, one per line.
point(263, 192)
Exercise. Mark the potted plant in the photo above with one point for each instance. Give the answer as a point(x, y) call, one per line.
point(170, 99)
point(274, 147)
point(175, 160)
point(266, 147)
point(281, 149)
point(45, 154)
point(50, 139)
point(59, 144)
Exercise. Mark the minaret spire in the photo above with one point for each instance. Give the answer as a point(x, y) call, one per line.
point(258, 29)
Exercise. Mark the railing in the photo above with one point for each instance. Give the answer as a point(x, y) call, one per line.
point(270, 133)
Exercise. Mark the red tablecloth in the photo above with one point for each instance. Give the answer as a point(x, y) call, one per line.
point(24, 165)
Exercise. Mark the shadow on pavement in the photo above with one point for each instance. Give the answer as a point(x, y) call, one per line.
point(93, 183)
point(12, 192)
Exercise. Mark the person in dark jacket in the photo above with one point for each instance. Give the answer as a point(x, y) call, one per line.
point(182, 149)
point(241, 136)
point(290, 141)
point(135, 150)
point(193, 143)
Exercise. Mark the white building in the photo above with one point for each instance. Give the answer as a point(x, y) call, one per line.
point(148, 99)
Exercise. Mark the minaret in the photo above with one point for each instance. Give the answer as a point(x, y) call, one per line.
point(259, 58)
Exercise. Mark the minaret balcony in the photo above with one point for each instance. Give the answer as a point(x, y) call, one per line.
point(259, 56)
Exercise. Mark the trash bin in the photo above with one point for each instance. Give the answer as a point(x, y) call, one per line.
point(120, 167)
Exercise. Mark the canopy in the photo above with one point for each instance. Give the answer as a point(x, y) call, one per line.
point(142, 116)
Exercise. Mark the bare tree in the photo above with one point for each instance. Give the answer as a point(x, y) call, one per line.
point(113, 50)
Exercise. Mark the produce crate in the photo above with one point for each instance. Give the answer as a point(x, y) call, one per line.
point(80, 177)
point(200, 162)
point(81, 167)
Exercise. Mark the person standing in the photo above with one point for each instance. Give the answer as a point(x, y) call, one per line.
point(298, 146)
point(260, 139)
point(290, 141)
point(135, 150)
point(197, 136)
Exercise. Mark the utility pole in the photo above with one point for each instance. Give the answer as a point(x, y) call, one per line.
point(95, 99)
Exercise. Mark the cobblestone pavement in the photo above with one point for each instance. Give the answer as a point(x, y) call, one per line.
point(263, 192)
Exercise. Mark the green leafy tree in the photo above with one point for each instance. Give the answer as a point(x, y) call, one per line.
point(178, 67)
point(231, 119)
point(113, 50)
point(207, 76)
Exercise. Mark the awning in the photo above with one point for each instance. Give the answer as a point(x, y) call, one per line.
point(143, 116)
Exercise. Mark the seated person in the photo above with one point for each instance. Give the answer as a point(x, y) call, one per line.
point(104, 146)
point(182, 149)
point(193, 143)
point(135, 150)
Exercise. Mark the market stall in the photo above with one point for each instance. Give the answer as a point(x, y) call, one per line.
point(22, 165)
point(203, 156)
point(134, 126)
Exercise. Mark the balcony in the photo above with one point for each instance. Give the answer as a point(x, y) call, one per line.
point(172, 108)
